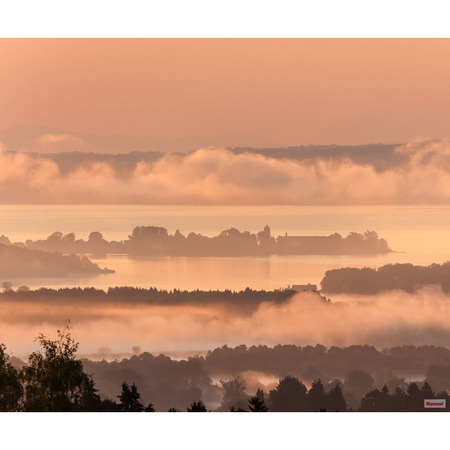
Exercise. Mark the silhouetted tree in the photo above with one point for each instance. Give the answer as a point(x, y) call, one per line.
point(413, 390)
point(149, 408)
point(129, 399)
point(56, 236)
point(426, 391)
point(95, 236)
point(96, 243)
point(172, 410)
point(289, 395)
point(55, 381)
point(316, 397)
point(23, 289)
point(197, 407)
point(414, 400)
point(7, 286)
point(399, 400)
point(335, 400)
point(10, 387)
point(257, 403)
point(4, 240)
point(69, 238)
point(373, 401)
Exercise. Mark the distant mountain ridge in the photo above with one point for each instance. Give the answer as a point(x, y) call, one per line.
point(122, 153)
point(29, 138)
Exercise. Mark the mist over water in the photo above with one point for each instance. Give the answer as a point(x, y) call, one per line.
point(123, 198)
point(419, 233)
point(386, 320)
point(391, 319)
point(115, 222)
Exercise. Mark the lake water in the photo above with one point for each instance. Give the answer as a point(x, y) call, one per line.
point(418, 234)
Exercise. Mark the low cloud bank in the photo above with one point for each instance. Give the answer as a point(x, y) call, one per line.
point(390, 319)
point(218, 176)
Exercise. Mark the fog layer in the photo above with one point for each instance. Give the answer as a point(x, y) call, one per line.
point(218, 176)
point(394, 318)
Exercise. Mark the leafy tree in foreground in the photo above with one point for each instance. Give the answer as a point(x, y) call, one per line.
point(234, 395)
point(10, 387)
point(197, 407)
point(129, 399)
point(54, 381)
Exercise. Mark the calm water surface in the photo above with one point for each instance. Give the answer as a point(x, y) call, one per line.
point(420, 235)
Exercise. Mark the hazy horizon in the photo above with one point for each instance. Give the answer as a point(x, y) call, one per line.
point(219, 176)
point(166, 159)
point(292, 91)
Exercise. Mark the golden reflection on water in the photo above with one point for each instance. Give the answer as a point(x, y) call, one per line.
point(420, 234)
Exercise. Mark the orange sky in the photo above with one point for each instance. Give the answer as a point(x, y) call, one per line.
point(291, 91)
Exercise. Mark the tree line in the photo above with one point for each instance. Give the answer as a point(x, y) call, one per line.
point(156, 241)
point(406, 277)
point(359, 369)
point(247, 299)
point(320, 361)
point(54, 380)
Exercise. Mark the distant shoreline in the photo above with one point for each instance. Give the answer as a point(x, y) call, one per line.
point(156, 241)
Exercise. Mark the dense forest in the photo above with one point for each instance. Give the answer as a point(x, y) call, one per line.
point(53, 379)
point(247, 299)
point(356, 369)
point(156, 241)
point(407, 277)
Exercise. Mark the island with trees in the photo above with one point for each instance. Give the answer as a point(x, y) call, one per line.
point(24, 262)
point(156, 241)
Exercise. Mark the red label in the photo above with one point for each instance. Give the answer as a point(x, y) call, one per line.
point(437, 403)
